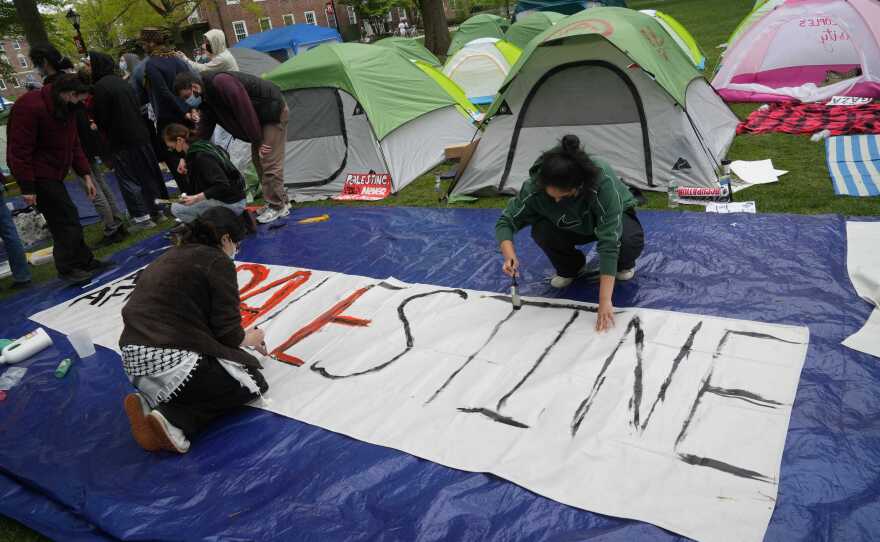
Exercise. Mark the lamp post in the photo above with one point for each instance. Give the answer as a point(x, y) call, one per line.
point(73, 17)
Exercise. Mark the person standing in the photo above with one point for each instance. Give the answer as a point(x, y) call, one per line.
point(21, 273)
point(117, 114)
point(42, 146)
point(50, 63)
point(219, 57)
point(95, 149)
point(252, 110)
point(160, 69)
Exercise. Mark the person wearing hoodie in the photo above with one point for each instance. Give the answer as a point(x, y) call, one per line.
point(95, 148)
point(127, 64)
point(117, 115)
point(42, 146)
point(220, 58)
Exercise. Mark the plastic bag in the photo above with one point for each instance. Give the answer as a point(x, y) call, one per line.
point(12, 377)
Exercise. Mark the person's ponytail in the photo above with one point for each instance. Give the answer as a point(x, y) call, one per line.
point(570, 144)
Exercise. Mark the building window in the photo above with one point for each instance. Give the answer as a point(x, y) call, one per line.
point(228, 2)
point(331, 17)
point(16, 45)
point(389, 17)
point(265, 24)
point(401, 14)
point(2, 84)
point(287, 19)
point(22, 61)
point(310, 18)
point(352, 16)
point(240, 30)
point(16, 83)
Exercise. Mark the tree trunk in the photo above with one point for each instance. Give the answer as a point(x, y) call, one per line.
point(30, 20)
point(436, 29)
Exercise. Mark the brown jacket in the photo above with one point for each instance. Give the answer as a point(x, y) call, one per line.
point(188, 299)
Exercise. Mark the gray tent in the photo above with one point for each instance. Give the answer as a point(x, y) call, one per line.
point(253, 62)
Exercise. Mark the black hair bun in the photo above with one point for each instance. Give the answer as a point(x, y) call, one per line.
point(571, 143)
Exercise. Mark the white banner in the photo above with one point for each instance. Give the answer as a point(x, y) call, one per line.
point(675, 419)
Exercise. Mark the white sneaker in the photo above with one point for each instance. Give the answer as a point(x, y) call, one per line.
point(270, 214)
point(626, 274)
point(171, 438)
point(560, 282)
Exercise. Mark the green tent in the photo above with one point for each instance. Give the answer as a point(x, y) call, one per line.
point(484, 25)
point(681, 36)
point(615, 79)
point(411, 49)
point(530, 25)
point(359, 111)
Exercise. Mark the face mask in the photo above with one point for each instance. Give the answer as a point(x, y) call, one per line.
point(123, 66)
point(194, 101)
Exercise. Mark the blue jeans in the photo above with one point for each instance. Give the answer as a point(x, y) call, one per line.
point(17, 260)
point(188, 213)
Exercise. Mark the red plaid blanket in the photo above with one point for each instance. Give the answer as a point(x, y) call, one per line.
point(798, 118)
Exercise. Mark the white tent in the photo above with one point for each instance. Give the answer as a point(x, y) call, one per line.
point(478, 68)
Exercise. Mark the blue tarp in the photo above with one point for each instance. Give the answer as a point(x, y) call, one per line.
point(292, 37)
point(70, 469)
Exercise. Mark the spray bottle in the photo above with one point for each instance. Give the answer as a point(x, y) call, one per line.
point(514, 294)
point(25, 347)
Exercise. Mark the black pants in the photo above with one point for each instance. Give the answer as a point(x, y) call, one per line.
point(69, 251)
point(208, 394)
point(561, 245)
point(140, 179)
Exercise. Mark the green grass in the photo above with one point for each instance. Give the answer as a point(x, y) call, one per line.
point(805, 189)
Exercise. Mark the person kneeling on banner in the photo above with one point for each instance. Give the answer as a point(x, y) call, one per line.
point(212, 179)
point(182, 341)
point(572, 199)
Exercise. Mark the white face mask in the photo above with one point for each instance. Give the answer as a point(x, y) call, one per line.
point(123, 66)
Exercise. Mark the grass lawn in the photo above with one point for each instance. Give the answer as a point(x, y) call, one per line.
point(805, 189)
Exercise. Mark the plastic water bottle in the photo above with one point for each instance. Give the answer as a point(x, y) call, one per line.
point(671, 193)
point(61, 370)
point(25, 347)
point(437, 183)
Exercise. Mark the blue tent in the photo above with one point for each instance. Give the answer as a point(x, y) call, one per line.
point(287, 41)
point(566, 7)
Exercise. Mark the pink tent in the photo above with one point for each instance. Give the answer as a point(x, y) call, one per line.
point(807, 50)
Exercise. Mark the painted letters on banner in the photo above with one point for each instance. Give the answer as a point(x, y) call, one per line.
point(671, 418)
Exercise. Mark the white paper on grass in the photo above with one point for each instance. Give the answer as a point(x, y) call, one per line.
point(732, 207)
point(863, 266)
point(687, 438)
point(750, 173)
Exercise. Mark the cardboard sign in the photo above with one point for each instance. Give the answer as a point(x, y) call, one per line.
point(366, 187)
point(849, 100)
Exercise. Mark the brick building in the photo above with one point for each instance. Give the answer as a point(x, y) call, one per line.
point(237, 18)
point(14, 52)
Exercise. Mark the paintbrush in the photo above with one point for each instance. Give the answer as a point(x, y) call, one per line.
point(514, 294)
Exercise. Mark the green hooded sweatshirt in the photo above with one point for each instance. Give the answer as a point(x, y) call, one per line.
point(595, 213)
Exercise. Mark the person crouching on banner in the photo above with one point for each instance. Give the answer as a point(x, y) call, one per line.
point(572, 200)
point(212, 179)
point(182, 341)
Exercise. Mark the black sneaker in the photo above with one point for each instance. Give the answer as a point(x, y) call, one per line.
point(77, 276)
point(101, 265)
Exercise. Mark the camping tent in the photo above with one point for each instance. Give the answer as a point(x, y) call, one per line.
point(530, 25)
point(287, 41)
point(484, 25)
point(253, 62)
point(411, 49)
point(647, 111)
point(566, 7)
point(680, 36)
point(480, 67)
point(837, 52)
point(359, 109)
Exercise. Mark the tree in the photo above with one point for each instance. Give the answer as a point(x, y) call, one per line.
point(436, 29)
point(30, 20)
